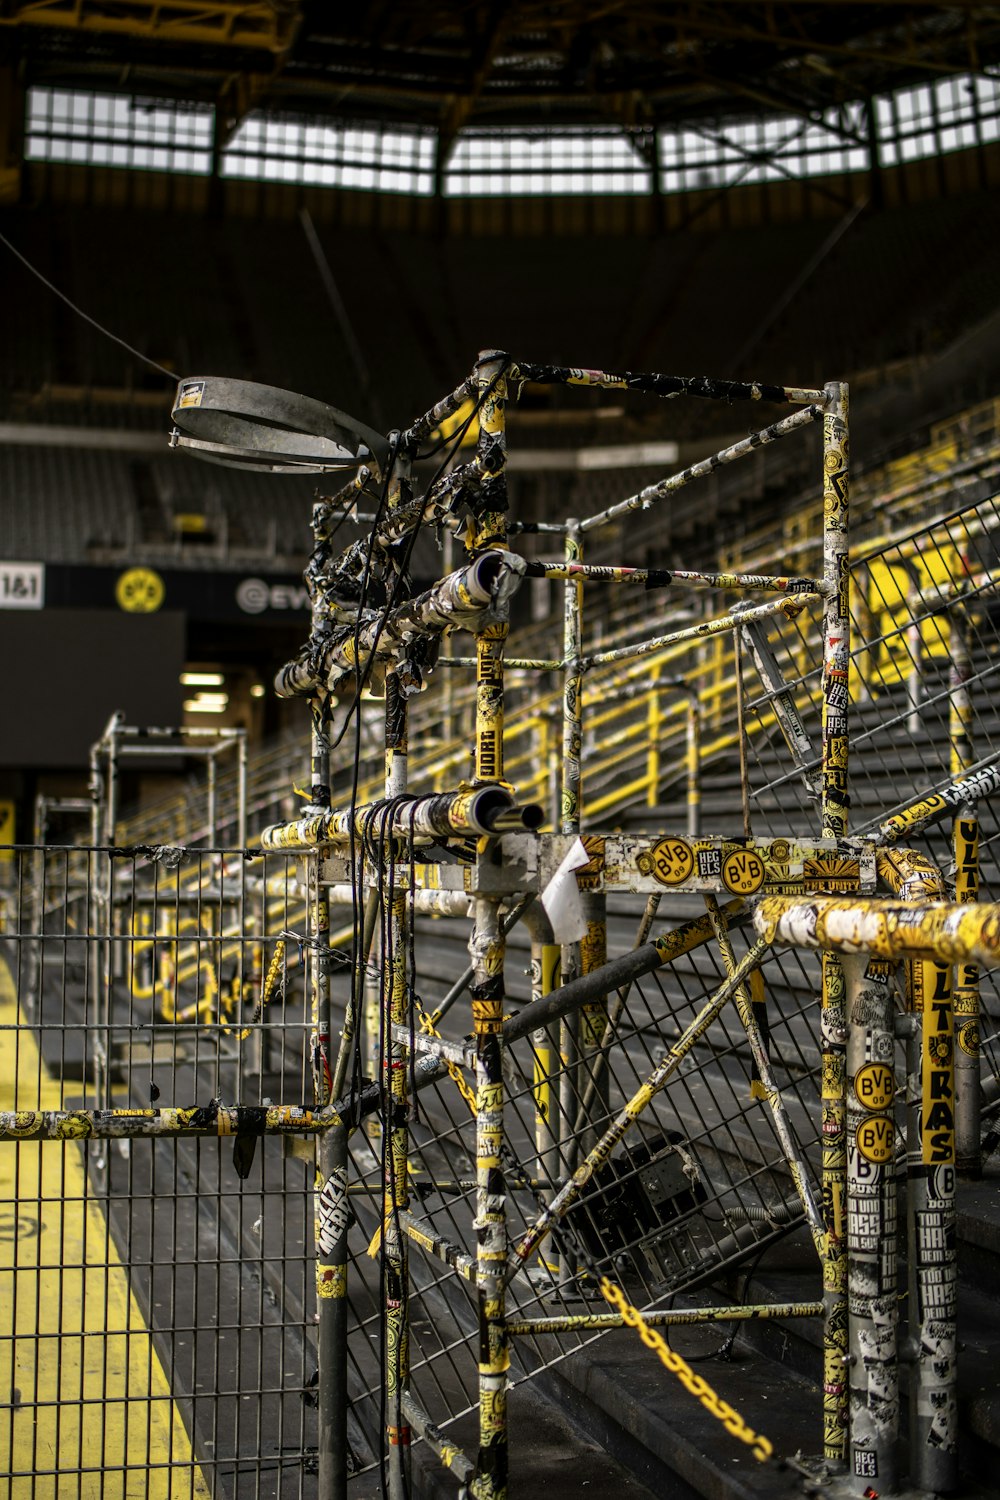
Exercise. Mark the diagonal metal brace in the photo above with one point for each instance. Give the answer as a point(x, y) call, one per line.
point(782, 700)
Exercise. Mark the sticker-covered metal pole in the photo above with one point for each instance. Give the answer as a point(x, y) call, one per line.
point(693, 757)
point(833, 1022)
point(545, 958)
point(594, 1015)
point(487, 949)
point(871, 1226)
point(836, 612)
point(396, 1197)
point(330, 1200)
point(931, 1232)
point(965, 842)
point(930, 1195)
point(569, 823)
point(395, 1066)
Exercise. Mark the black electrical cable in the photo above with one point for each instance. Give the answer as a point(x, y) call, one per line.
point(170, 374)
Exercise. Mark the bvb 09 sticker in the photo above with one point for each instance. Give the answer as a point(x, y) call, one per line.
point(743, 872)
point(874, 1086)
point(875, 1137)
point(672, 861)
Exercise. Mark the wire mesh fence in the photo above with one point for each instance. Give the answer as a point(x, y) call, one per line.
point(156, 1310)
point(159, 1304)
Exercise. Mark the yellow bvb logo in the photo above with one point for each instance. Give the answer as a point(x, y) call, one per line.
point(874, 1085)
point(875, 1138)
point(743, 872)
point(139, 591)
point(672, 861)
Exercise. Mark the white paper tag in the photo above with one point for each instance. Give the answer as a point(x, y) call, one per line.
point(561, 897)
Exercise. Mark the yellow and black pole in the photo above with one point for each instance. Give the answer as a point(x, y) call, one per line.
point(965, 843)
point(569, 823)
point(833, 1016)
point(487, 948)
point(330, 1211)
point(545, 960)
point(395, 1190)
point(930, 1172)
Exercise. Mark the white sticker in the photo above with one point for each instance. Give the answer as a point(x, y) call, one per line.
point(561, 897)
point(332, 1211)
point(22, 585)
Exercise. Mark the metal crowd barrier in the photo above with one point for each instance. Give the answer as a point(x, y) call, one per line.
point(498, 1182)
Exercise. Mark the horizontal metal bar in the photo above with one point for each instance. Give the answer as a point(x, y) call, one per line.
point(210, 1120)
point(677, 1317)
point(788, 606)
point(436, 1046)
point(421, 1233)
point(656, 492)
point(437, 816)
point(888, 929)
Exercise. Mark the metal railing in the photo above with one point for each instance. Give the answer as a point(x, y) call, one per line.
point(623, 1130)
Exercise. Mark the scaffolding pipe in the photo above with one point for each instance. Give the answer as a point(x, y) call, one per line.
point(487, 950)
point(965, 846)
point(464, 600)
point(485, 810)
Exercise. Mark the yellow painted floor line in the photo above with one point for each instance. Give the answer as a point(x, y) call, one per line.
point(90, 1412)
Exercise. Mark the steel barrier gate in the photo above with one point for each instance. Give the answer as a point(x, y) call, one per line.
point(476, 1193)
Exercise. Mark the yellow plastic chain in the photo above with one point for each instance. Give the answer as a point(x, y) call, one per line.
point(457, 1077)
point(696, 1384)
point(270, 984)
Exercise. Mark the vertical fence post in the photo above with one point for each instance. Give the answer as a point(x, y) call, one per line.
point(653, 722)
point(833, 1025)
point(593, 1017)
point(241, 790)
point(395, 1012)
point(931, 1231)
point(693, 763)
point(569, 823)
point(544, 979)
point(871, 1226)
point(487, 949)
point(914, 649)
point(330, 1211)
point(211, 797)
point(965, 842)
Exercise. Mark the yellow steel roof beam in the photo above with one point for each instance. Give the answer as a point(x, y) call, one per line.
point(225, 23)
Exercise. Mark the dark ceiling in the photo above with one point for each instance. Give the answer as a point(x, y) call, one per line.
point(551, 62)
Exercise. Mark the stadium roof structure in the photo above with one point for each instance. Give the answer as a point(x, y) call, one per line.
point(628, 63)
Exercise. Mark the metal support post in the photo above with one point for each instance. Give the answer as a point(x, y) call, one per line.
point(871, 1227)
point(545, 958)
point(569, 822)
point(593, 1017)
point(211, 808)
point(931, 1231)
point(396, 1199)
point(834, 804)
point(487, 948)
point(331, 1215)
point(396, 1002)
point(241, 790)
point(965, 842)
point(693, 758)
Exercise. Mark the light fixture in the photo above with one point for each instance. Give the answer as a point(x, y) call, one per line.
point(258, 690)
point(207, 703)
point(249, 426)
point(202, 679)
